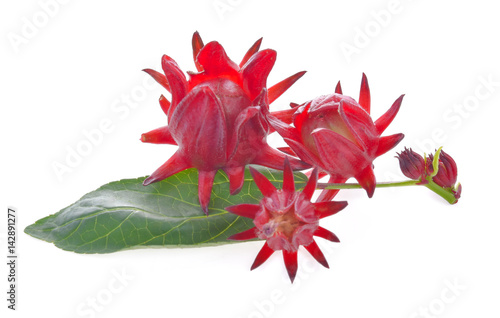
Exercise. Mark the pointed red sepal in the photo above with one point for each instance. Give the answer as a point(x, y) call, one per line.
point(236, 179)
point(327, 235)
point(245, 235)
point(300, 116)
point(366, 179)
point(285, 116)
point(264, 254)
point(176, 80)
point(327, 208)
point(197, 43)
point(338, 88)
point(314, 250)
point(294, 105)
point(384, 120)
point(158, 77)
point(214, 60)
point(205, 184)
point(244, 210)
point(173, 165)
point(287, 150)
point(274, 159)
point(291, 265)
point(311, 185)
point(286, 131)
point(278, 89)
point(387, 143)
point(364, 94)
point(164, 104)
point(265, 186)
point(159, 136)
point(256, 71)
point(288, 182)
point(251, 51)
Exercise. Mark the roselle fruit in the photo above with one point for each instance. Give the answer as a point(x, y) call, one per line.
point(337, 134)
point(218, 116)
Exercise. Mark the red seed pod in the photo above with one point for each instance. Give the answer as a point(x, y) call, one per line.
point(336, 134)
point(218, 117)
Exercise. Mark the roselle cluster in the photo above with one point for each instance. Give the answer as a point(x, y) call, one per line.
point(219, 118)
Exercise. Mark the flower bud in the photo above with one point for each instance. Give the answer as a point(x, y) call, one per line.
point(412, 164)
point(446, 176)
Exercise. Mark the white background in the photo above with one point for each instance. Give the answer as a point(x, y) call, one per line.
point(66, 67)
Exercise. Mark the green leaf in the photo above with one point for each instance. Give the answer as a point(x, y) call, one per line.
point(125, 214)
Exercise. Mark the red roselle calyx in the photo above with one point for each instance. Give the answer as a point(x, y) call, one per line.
point(287, 219)
point(336, 134)
point(218, 117)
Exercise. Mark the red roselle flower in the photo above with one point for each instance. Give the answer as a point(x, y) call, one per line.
point(336, 134)
point(287, 219)
point(218, 116)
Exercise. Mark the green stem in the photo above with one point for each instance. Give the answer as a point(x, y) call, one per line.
point(444, 193)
